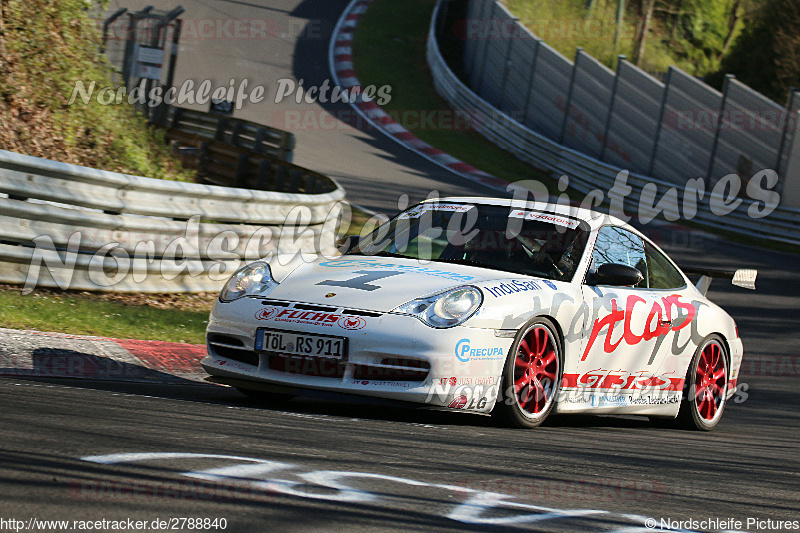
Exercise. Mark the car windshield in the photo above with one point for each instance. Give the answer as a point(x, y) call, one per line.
point(514, 240)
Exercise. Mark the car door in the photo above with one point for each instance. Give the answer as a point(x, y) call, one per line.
point(666, 282)
point(630, 328)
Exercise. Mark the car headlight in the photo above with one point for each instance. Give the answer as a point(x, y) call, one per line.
point(254, 279)
point(446, 309)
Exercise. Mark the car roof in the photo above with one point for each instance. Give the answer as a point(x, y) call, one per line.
point(594, 219)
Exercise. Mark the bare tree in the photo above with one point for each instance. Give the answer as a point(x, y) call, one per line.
point(644, 27)
point(732, 20)
point(787, 43)
point(620, 15)
point(2, 36)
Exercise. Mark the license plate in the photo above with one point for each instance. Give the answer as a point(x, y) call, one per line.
point(293, 343)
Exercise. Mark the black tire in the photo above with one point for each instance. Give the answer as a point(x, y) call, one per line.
point(531, 376)
point(261, 396)
point(705, 387)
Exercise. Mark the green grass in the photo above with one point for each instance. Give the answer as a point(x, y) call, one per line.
point(81, 314)
point(389, 49)
point(693, 45)
point(46, 47)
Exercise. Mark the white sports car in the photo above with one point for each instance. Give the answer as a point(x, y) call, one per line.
point(490, 306)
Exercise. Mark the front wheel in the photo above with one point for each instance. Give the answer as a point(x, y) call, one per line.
point(706, 387)
point(531, 376)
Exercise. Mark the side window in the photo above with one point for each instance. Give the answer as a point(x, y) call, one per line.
point(618, 245)
point(661, 274)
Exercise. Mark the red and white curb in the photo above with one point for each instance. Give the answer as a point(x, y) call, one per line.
point(41, 354)
point(340, 59)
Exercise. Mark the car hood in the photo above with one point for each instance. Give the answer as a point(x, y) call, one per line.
point(376, 283)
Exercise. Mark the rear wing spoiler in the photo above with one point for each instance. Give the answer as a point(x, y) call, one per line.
point(742, 277)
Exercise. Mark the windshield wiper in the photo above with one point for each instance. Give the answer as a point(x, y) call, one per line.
point(469, 262)
point(380, 254)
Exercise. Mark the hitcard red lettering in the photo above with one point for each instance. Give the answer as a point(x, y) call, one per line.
point(658, 323)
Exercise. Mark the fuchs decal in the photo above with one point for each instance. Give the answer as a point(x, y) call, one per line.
point(266, 313)
point(312, 318)
point(351, 322)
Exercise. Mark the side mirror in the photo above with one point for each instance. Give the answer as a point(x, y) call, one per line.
point(615, 274)
point(348, 243)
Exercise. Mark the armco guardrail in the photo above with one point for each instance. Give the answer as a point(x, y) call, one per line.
point(257, 138)
point(587, 173)
point(63, 225)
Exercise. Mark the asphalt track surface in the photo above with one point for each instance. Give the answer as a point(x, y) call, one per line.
point(312, 464)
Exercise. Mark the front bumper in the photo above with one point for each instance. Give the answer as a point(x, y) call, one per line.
point(389, 355)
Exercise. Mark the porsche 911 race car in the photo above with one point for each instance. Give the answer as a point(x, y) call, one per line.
point(489, 306)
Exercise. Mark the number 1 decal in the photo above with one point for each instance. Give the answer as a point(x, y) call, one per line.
point(361, 282)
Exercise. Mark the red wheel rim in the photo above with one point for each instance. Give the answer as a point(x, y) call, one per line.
point(710, 381)
point(535, 371)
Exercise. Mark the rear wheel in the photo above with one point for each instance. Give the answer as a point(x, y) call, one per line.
point(706, 386)
point(531, 376)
